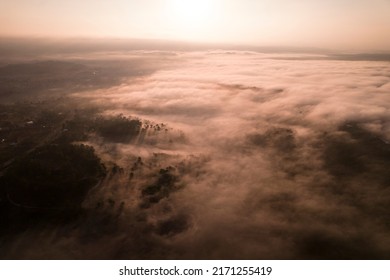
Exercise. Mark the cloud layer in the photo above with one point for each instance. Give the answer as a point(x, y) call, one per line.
point(261, 157)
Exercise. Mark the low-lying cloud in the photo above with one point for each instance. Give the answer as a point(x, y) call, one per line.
point(259, 157)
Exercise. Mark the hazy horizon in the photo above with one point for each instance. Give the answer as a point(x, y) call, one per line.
point(345, 25)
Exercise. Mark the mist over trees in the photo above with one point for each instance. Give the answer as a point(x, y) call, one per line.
point(166, 154)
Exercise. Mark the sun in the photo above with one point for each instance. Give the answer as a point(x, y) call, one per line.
point(192, 13)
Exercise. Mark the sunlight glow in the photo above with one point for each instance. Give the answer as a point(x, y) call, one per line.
point(192, 13)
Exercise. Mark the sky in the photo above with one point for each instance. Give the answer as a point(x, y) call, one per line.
point(337, 24)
